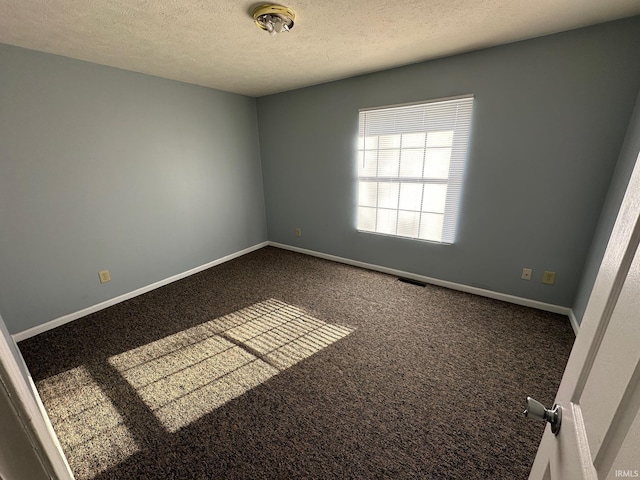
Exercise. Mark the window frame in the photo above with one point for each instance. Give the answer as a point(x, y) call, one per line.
point(441, 115)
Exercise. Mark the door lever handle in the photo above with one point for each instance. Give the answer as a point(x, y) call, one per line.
point(537, 411)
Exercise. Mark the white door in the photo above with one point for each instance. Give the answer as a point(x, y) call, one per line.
point(599, 437)
point(29, 447)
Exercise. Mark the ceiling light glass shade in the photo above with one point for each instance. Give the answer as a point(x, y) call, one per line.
point(274, 18)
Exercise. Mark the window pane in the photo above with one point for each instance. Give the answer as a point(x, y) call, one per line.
point(370, 142)
point(388, 163)
point(367, 194)
point(389, 141)
point(369, 167)
point(408, 224)
point(435, 198)
point(410, 196)
point(413, 140)
point(388, 195)
point(431, 226)
point(367, 219)
point(440, 139)
point(437, 163)
point(387, 220)
point(411, 163)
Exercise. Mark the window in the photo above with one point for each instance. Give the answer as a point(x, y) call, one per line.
point(411, 160)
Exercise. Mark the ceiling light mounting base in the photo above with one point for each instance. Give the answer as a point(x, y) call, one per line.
point(274, 18)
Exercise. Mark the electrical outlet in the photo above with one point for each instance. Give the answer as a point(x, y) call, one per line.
point(526, 274)
point(104, 276)
point(298, 232)
point(548, 277)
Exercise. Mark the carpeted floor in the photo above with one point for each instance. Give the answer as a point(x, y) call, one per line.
point(279, 365)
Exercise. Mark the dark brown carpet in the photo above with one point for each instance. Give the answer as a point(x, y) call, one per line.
point(420, 382)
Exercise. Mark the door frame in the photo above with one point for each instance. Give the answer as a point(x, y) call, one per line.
point(31, 413)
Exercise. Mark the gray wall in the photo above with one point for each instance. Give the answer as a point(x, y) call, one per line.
point(621, 176)
point(106, 169)
point(549, 118)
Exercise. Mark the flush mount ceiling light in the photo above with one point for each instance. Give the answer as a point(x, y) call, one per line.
point(274, 18)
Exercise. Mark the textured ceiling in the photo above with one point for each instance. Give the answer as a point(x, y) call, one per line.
point(216, 44)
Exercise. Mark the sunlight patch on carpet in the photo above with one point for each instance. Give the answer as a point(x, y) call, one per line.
point(91, 431)
point(191, 373)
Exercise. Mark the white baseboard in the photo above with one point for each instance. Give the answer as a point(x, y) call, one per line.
point(56, 322)
point(547, 307)
point(574, 322)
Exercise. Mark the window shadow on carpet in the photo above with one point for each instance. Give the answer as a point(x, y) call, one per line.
point(176, 380)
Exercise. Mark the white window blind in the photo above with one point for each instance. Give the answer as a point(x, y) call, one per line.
point(411, 160)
